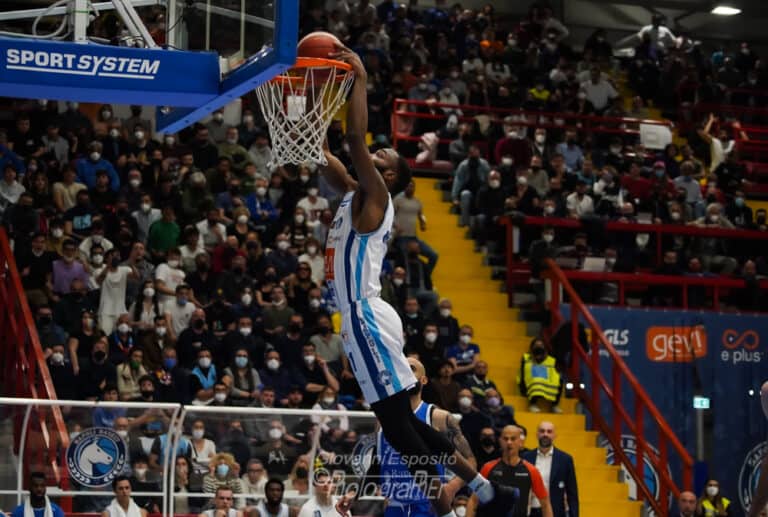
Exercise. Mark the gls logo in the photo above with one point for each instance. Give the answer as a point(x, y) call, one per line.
point(741, 347)
point(675, 344)
point(619, 338)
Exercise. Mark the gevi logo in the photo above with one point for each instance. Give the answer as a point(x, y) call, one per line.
point(675, 344)
point(741, 347)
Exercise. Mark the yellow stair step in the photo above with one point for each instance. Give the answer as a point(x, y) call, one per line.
point(477, 300)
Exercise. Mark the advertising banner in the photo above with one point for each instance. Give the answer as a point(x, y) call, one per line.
point(677, 355)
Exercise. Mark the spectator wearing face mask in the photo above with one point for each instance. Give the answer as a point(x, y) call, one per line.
point(513, 143)
point(579, 203)
point(712, 503)
point(447, 325)
point(275, 454)
point(328, 400)
point(464, 353)
point(113, 281)
point(128, 375)
point(427, 350)
point(276, 375)
point(203, 378)
point(472, 419)
point(180, 310)
point(142, 481)
point(243, 336)
point(738, 212)
point(469, 177)
point(329, 345)
point(242, 379)
point(203, 450)
point(232, 149)
point(62, 373)
point(88, 167)
point(501, 414)
point(713, 250)
point(277, 316)
point(171, 380)
point(539, 380)
point(223, 474)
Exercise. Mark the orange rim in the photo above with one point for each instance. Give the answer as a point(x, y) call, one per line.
point(312, 62)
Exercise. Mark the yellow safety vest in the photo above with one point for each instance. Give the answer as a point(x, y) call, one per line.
point(541, 379)
point(709, 508)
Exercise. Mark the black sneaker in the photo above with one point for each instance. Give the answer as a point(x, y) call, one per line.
point(503, 502)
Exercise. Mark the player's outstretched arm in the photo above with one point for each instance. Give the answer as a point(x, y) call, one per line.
point(375, 195)
point(336, 173)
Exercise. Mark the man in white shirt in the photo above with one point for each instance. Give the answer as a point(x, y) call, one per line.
point(558, 473)
point(599, 91)
point(323, 503)
point(168, 276)
point(661, 37)
point(313, 206)
point(222, 503)
point(212, 232)
point(179, 310)
point(579, 203)
point(145, 217)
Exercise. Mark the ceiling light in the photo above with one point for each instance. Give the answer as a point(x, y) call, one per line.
point(726, 10)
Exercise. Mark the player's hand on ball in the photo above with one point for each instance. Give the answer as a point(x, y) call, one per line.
point(350, 57)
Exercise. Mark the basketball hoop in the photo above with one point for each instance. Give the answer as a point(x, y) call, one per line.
point(298, 106)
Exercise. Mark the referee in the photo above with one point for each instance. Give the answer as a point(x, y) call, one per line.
point(512, 470)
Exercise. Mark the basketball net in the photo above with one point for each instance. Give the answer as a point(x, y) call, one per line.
point(298, 107)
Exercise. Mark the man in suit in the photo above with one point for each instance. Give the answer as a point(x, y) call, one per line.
point(558, 472)
point(686, 505)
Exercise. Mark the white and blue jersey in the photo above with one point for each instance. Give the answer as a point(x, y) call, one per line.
point(370, 328)
point(397, 483)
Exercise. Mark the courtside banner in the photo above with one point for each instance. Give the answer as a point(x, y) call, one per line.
point(103, 73)
point(677, 355)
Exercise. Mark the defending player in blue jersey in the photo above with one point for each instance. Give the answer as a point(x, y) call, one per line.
point(371, 329)
point(404, 496)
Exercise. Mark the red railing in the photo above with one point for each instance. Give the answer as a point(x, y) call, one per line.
point(716, 287)
point(607, 396)
point(403, 114)
point(25, 372)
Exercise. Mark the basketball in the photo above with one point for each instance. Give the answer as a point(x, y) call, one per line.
point(318, 44)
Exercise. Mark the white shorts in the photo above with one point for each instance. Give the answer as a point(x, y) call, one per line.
point(373, 341)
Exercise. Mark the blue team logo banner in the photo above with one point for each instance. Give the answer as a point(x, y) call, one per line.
point(105, 73)
point(676, 355)
point(96, 456)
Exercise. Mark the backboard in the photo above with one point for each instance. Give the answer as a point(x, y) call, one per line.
point(188, 57)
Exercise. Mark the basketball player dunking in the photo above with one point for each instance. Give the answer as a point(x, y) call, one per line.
point(371, 329)
point(760, 497)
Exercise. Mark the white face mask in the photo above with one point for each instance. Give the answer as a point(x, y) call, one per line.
point(95, 156)
point(304, 178)
point(314, 303)
point(218, 117)
point(465, 338)
point(283, 245)
point(328, 400)
point(97, 238)
point(146, 207)
point(139, 135)
point(246, 299)
point(675, 216)
point(57, 233)
point(231, 141)
point(641, 240)
point(114, 133)
point(548, 237)
point(431, 337)
point(149, 292)
point(169, 140)
point(540, 139)
point(124, 328)
point(299, 219)
point(261, 191)
point(712, 491)
point(197, 434)
point(494, 184)
point(220, 397)
point(714, 218)
point(522, 181)
point(273, 364)
point(507, 161)
point(445, 312)
point(97, 260)
point(465, 402)
point(204, 362)
point(134, 182)
point(309, 359)
point(140, 473)
point(173, 263)
point(242, 219)
point(247, 119)
point(275, 433)
point(397, 281)
point(312, 191)
point(311, 250)
point(57, 357)
point(160, 331)
point(549, 209)
point(122, 433)
point(246, 331)
point(460, 511)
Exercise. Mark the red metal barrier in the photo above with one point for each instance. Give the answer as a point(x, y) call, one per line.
point(607, 394)
point(25, 372)
point(518, 271)
point(403, 112)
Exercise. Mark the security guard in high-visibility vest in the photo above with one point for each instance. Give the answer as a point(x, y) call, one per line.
point(712, 503)
point(539, 380)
